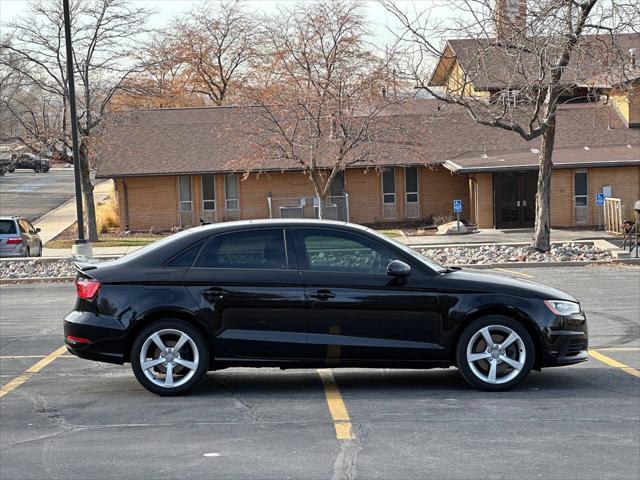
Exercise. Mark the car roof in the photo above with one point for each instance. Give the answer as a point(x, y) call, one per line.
point(10, 217)
point(277, 222)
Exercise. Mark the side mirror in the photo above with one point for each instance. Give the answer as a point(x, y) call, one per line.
point(38, 230)
point(396, 268)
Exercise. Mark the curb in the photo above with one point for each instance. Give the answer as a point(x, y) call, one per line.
point(30, 280)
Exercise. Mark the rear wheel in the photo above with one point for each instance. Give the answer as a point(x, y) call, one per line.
point(495, 353)
point(169, 357)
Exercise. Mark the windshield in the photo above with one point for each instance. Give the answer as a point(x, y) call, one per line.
point(157, 244)
point(436, 267)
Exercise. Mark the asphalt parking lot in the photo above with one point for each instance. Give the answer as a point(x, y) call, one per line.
point(62, 417)
point(24, 192)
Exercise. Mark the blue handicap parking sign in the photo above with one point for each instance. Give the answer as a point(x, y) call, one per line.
point(599, 199)
point(457, 206)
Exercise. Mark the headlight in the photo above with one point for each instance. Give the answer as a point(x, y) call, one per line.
point(562, 308)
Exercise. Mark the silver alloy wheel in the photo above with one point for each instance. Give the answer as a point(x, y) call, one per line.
point(168, 354)
point(496, 354)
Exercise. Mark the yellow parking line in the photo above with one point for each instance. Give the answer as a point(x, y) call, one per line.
point(614, 363)
point(619, 349)
point(35, 368)
point(337, 408)
point(19, 357)
point(511, 272)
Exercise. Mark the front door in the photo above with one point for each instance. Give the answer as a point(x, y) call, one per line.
point(248, 288)
point(515, 199)
point(356, 312)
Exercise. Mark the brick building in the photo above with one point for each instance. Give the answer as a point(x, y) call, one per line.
point(175, 167)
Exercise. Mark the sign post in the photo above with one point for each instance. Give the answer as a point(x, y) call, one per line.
point(457, 209)
point(600, 203)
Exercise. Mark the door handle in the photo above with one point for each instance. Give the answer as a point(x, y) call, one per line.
point(322, 295)
point(214, 293)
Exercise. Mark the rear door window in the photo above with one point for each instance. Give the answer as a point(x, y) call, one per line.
point(254, 250)
point(7, 227)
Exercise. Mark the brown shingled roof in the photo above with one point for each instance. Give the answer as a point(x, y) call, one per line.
point(222, 139)
point(490, 65)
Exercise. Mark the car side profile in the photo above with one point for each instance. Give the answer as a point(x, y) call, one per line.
point(19, 238)
point(308, 294)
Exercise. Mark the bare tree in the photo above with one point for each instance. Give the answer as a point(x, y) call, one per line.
point(104, 42)
point(519, 68)
point(323, 86)
point(216, 41)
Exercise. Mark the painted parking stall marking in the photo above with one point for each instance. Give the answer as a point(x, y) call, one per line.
point(29, 372)
point(337, 408)
point(614, 363)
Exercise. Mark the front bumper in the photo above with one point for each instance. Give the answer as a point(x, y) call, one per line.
point(566, 341)
point(106, 335)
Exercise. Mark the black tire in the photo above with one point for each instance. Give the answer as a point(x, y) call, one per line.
point(478, 373)
point(198, 341)
point(27, 252)
point(40, 250)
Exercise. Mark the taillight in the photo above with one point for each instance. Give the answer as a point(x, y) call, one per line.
point(87, 289)
point(14, 241)
point(73, 339)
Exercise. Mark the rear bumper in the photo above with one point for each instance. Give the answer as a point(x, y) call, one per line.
point(105, 334)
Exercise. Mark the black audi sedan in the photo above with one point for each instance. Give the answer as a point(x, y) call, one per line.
point(306, 293)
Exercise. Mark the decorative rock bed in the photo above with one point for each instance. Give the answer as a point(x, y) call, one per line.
point(36, 268)
point(486, 254)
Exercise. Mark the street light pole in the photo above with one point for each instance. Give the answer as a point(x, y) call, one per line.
point(80, 245)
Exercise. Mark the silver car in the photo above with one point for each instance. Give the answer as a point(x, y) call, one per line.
point(19, 238)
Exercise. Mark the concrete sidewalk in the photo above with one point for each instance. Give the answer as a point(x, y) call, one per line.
point(59, 219)
point(97, 251)
point(502, 236)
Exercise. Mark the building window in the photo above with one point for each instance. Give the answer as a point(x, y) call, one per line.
point(411, 184)
point(208, 192)
point(184, 187)
point(231, 191)
point(580, 196)
point(185, 202)
point(388, 186)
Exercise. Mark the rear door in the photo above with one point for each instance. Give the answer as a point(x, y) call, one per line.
point(248, 286)
point(355, 311)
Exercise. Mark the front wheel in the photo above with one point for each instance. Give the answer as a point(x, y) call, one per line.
point(495, 353)
point(169, 357)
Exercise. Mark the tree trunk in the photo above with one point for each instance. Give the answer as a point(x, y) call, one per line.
point(87, 193)
point(542, 230)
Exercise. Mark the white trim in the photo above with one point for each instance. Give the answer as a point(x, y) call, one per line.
point(395, 197)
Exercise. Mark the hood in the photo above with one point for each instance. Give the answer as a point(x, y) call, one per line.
point(477, 281)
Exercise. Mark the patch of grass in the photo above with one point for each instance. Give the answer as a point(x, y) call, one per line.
point(391, 233)
point(107, 242)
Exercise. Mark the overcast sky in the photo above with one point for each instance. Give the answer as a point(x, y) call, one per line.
point(379, 19)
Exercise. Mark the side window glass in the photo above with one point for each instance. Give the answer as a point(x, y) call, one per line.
point(186, 258)
point(344, 252)
point(256, 249)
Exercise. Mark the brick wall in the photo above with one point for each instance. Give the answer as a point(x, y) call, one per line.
point(439, 188)
point(152, 201)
